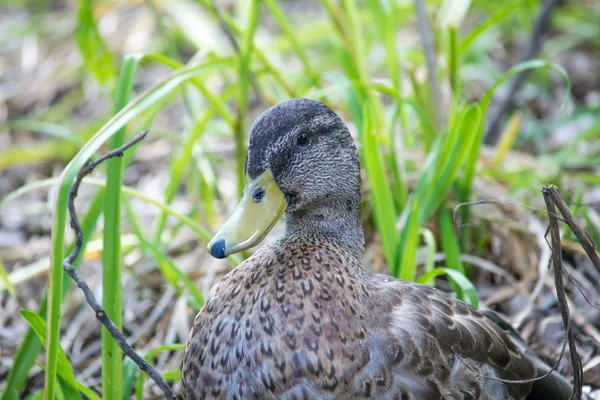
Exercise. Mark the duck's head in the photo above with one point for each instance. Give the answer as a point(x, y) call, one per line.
point(301, 160)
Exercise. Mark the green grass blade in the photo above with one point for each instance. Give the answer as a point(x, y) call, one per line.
point(112, 292)
point(500, 14)
point(96, 55)
point(244, 89)
point(451, 249)
point(49, 128)
point(130, 372)
point(452, 13)
point(55, 298)
point(87, 392)
point(453, 60)
point(568, 152)
point(381, 195)
point(177, 168)
point(213, 99)
point(149, 357)
point(458, 278)
point(169, 270)
point(11, 394)
point(457, 156)
point(201, 231)
point(30, 347)
point(269, 69)
point(430, 133)
point(66, 375)
point(4, 277)
point(440, 170)
point(39, 395)
point(465, 185)
point(133, 109)
point(289, 31)
point(387, 31)
point(35, 154)
point(431, 244)
point(356, 57)
point(406, 266)
point(172, 375)
point(525, 66)
point(69, 388)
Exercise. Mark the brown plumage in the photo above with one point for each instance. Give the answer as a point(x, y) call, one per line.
point(303, 319)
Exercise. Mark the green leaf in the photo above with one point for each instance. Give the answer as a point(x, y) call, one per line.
point(169, 270)
point(406, 268)
point(96, 55)
point(290, 33)
point(112, 302)
point(467, 180)
point(4, 277)
point(458, 278)
point(440, 170)
point(12, 394)
point(501, 12)
point(89, 393)
point(39, 395)
point(381, 195)
point(49, 128)
point(67, 381)
point(141, 377)
point(182, 159)
point(30, 346)
point(431, 244)
point(451, 249)
point(130, 372)
point(452, 13)
point(132, 110)
point(201, 231)
point(245, 55)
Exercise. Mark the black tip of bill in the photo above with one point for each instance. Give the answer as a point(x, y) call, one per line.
point(217, 250)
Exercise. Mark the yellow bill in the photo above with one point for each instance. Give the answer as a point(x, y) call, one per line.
point(261, 206)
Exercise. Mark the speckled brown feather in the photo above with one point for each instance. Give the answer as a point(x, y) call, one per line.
point(302, 319)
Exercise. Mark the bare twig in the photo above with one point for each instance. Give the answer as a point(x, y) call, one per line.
point(582, 236)
point(549, 193)
point(492, 201)
point(100, 313)
point(435, 92)
point(517, 381)
point(580, 289)
point(535, 42)
point(554, 200)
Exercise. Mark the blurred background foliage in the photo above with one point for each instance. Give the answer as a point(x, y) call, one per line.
point(420, 84)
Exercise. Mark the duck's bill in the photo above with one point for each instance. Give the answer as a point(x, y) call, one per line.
point(261, 206)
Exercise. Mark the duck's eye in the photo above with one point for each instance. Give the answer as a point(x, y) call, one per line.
point(259, 195)
point(303, 138)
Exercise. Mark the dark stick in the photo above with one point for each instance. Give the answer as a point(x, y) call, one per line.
point(100, 313)
point(540, 27)
point(560, 289)
point(580, 289)
point(492, 201)
point(582, 236)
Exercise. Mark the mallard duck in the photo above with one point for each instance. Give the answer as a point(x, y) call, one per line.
point(302, 318)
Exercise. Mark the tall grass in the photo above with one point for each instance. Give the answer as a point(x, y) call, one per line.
point(337, 63)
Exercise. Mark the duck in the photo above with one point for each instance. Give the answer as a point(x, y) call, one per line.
point(303, 318)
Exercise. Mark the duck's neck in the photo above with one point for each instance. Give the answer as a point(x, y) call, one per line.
point(336, 220)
